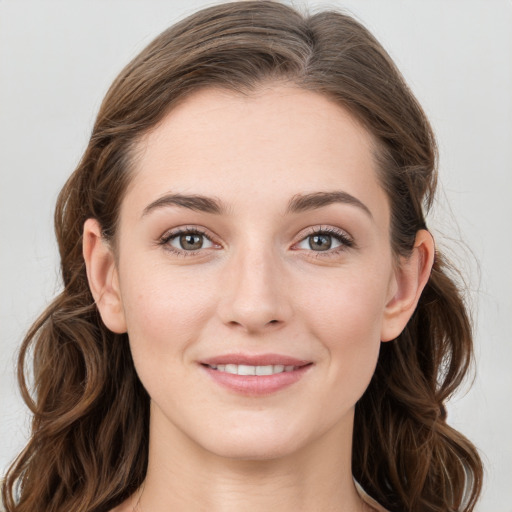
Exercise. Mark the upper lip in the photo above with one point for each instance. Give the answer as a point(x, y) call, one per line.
point(255, 360)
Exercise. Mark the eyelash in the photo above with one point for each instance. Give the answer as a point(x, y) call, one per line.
point(167, 237)
point(345, 240)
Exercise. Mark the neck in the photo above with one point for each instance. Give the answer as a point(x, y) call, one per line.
point(183, 476)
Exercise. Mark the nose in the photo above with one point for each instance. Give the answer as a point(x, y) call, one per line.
point(253, 295)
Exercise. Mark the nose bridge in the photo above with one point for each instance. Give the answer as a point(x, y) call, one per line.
point(255, 295)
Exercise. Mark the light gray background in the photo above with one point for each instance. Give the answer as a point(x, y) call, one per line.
point(57, 59)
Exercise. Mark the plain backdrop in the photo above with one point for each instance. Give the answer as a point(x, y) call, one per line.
point(57, 59)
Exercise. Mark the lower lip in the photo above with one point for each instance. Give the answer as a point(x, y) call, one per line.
point(257, 385)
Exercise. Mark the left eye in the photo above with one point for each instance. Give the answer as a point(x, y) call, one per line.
point(321, 242)
point(190, 241)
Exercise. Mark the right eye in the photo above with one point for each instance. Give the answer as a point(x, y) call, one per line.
point(190, 241)
point(186, 242)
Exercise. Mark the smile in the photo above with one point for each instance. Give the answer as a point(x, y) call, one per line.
point(255, 375)
point(244, 369)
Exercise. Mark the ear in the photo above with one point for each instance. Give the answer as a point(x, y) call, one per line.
point(103, 277)
point(411, 276)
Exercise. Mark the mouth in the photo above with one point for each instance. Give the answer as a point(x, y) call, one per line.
point(245, 369)
point(255, 375)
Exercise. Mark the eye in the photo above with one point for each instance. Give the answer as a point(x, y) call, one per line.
point(187, 241)
point(323, 240)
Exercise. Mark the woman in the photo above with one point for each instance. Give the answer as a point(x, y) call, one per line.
point(254, 314)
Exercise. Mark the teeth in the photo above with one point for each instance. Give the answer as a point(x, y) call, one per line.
point(244, 369)
point(264, 370)
point(231, 368)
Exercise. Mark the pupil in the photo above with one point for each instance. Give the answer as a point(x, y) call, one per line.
point(320, 242)
point(191, 241)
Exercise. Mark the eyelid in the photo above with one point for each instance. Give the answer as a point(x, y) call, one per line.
point(345, 239)
point(181, 230)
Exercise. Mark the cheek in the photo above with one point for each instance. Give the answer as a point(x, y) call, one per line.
point(164, 310)
point(347, 319)
point(349, 307)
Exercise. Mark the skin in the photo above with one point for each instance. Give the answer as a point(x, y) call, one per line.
point(256, 286)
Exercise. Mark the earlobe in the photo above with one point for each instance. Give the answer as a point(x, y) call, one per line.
point(103, 277)
point(410, 279)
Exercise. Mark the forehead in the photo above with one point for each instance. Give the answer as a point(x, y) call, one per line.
point(270, 144)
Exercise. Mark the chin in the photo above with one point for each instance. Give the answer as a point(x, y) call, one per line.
point(252, 452)
point(254, 444)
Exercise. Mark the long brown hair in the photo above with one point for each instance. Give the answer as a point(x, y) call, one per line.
point(89, 445)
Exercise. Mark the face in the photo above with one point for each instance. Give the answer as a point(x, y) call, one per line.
point(255, 270)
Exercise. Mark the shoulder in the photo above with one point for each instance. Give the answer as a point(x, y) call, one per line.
point(128, 505)
point(368, 499)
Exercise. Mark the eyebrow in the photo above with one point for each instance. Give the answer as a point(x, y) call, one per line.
point(298, 203)
point(192, 202)
point(301, 203)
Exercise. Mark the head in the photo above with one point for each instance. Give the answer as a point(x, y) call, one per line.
point(243, 56)
point(291, 256)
